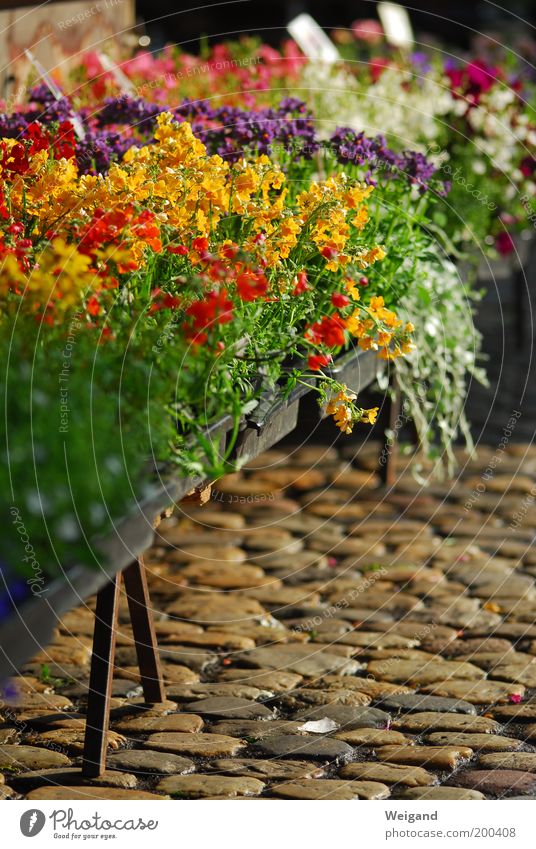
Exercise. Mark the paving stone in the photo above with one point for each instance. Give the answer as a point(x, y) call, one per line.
point(304, 660)
point(434, 757)
point(26, 781)
point(372, 737)
point(378, 640)
point(374, 689)
point(410, 672)
point(447, 793)
point(6, 792)
point(73, 741)
point(478, 742)
point(303, 697)
point(412, 776)
point(516, 713)
point(196, 745)
point(298, 747)
point(476, 692)
point(215, 609)
point(330, 789)
point(230, 708)
point(524, 761)
point(466, 648)
point(224, 689)
point(519, 673)
point(421, 702)
point(497, 782)
point(90, 794)
point(30, 757)
point(169, 722)
point(39, 701)
point(201, 786)
point(345, 716)
point(267, 769)
point(222, 576)
point(417, 723)
point(143, 761)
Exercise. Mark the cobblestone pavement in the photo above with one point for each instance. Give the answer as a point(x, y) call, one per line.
point(320, 639)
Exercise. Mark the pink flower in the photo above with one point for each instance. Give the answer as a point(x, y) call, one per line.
point(504, 243)
point(368, 30)
point(515, 698)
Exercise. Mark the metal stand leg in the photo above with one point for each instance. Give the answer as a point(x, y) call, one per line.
point(144, 633)
point(390, 450)
point(100, 680)
point(102, 660)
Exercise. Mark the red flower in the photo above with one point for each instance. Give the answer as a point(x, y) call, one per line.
point(329, 331)
point(230, 251)
point(251, 286)
point(329, 253)
point(64, 147)
point(216, 308)
point(363, 281)
point(316, 361)
point(338, 300)
point(301, 285)
point(200, 244)
point(377, 66)
point(163, 301)
point(15, 160)
point(181, 250)
point(38, 136)
point(93, 306)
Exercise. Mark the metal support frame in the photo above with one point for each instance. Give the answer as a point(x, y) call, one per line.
point(102, 660)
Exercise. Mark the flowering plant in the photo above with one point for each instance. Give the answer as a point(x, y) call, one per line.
point(175, 286)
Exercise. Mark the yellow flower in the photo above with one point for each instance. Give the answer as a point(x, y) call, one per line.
point(369, 416)
point(351, 288)
point(342, 410)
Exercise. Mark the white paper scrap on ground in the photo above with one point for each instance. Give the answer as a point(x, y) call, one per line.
point(312, 39)
point(396, 25)
point(320, 726)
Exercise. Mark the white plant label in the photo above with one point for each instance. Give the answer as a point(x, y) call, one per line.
point(312, 39)
point(119, 76)
point(56, 91)
point(396, 25)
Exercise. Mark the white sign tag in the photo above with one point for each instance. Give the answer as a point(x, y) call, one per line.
point(119, 75)
point(312, 39)
point(396, 25)
point(56, 91)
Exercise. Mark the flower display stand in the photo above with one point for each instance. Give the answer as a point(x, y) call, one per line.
point(102, 661)
point(31, 626)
